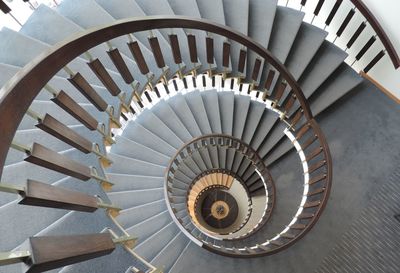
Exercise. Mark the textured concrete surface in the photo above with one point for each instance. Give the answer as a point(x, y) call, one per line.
point(372, 243)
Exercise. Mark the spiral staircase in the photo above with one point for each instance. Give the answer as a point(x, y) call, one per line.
point(184, 135)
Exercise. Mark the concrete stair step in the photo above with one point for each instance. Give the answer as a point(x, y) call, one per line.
point(121, 9)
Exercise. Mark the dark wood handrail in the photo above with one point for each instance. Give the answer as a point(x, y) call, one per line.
point(19, 92)
point(394, 57)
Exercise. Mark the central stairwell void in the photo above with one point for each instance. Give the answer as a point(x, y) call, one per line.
point(195, 135)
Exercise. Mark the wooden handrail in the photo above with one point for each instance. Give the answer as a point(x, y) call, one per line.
point(19, 92)
point(360, 5)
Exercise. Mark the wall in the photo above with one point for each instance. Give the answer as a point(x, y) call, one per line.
point(387, 12)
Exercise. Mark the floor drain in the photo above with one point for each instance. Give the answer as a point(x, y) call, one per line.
point(397, 217)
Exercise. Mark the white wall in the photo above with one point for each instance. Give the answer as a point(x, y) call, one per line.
point(388, 14)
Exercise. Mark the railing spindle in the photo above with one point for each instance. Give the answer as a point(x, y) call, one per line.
point(49, 159)
point(192, 48)
point(242, 60)
point(374, 61)
point(98, 68)
point(176, 51)
point(120, 64)
point(88, 91)
point(345, 22)
point(139, 58)
point(158, 56)
point(318, 7)
point(210, 50)
point(365, 48)
point(333, 12)
point(54, 127)
point(356, 34)
point(256, 69)
point(75, 110)
point(226, 51)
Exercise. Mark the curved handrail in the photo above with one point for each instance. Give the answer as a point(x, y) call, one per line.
point(264, 173)
point(366, 12)
point(17, 95)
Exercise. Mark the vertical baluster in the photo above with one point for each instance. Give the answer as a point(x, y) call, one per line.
point(49, 159)
point(176, 51)
point(87, 90)
point(356, 34)
point(317, 9)
point(289, 102)
point(302, 4)
point(268, 83)
point(210, 50)
point(120, 64)
point(55, 128)
point(98, 68)
point(333, 12)
point(158, 56)
point(139, 58)
point(192, 48)
point(365, 48)
point(6, 10)
point(256, 69)
point(297, 117)
point(279, 92)
point(242, 60)
point(226, 50)
point(75, 110)
point(345, 23)
point(374, 61)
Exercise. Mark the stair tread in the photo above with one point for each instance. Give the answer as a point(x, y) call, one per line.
point(236, 13)
point(308, 41)
point(22, 56)
point(132, 216)
point(127, 165)
point(164, 112)
point(341, 82)
point(216, 14)
point(167, 257)
point(146, 228)
point(124, 182)
point(122, 9)
point(286, 26)
point(182, 110)
point(162, 7)
point(181, 107)
point(141, 135)
point(138, 151)
point(254, 116)
point(151, 247)
point(61, 30)
point(100, 17)
point(196, 105)
point(133, 198)
point(324, 63)
point(190, 8)
point(261, 20)
point(287, 23)
point(153, 123)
